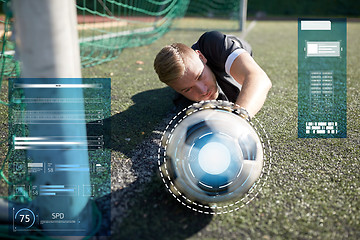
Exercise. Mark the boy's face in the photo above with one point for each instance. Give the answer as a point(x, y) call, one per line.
point(199, 82)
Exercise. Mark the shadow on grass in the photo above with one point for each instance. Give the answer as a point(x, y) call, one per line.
point(142, 209)
point(155, 214)
point(130, 127)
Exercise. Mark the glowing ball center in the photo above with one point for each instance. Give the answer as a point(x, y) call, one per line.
point(214, 158)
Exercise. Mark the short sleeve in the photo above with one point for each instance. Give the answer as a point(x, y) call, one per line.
point(217, 48)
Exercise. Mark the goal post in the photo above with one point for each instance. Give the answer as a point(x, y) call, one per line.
point(242, 15)
point(47, 42)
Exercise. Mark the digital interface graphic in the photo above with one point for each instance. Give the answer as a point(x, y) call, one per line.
point(210, 167)
point(322, 78)
point(60, 163)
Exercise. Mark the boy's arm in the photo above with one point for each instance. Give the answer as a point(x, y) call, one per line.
point(255, 83)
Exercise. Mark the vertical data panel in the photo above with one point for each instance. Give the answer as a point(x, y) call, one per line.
point(61, 161)
point(322, 78)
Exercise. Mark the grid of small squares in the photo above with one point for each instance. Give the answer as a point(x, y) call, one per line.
point(321, 128)
point(321, 92)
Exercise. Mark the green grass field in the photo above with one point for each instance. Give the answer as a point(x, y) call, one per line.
point(313, 190)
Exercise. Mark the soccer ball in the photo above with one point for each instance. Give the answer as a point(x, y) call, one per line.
point(212, 154)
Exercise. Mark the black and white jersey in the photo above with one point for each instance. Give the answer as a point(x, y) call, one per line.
point(221, 50)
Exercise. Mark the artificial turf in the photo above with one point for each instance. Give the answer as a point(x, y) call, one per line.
point(313, 189)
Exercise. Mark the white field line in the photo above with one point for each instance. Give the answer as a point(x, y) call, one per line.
point(142, 30)
point(100, 25)
point(118, 34)
point(248, 29)
point(100, 37)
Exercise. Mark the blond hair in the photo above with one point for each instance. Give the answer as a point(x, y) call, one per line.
point(169, 63)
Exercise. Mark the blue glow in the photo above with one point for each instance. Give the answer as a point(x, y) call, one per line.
point(72, 169)
point(32, 213)
point(214, 158)
point(47, 194)
point(57, 190)
point(52, 186)
point(225, 167)
point(67, 165)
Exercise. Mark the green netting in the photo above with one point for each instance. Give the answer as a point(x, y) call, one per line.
point(214, 8)
point(230, 15)
point(9, 66)
point(107, 27)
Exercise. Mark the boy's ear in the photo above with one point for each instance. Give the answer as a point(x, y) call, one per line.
point(201, 56)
